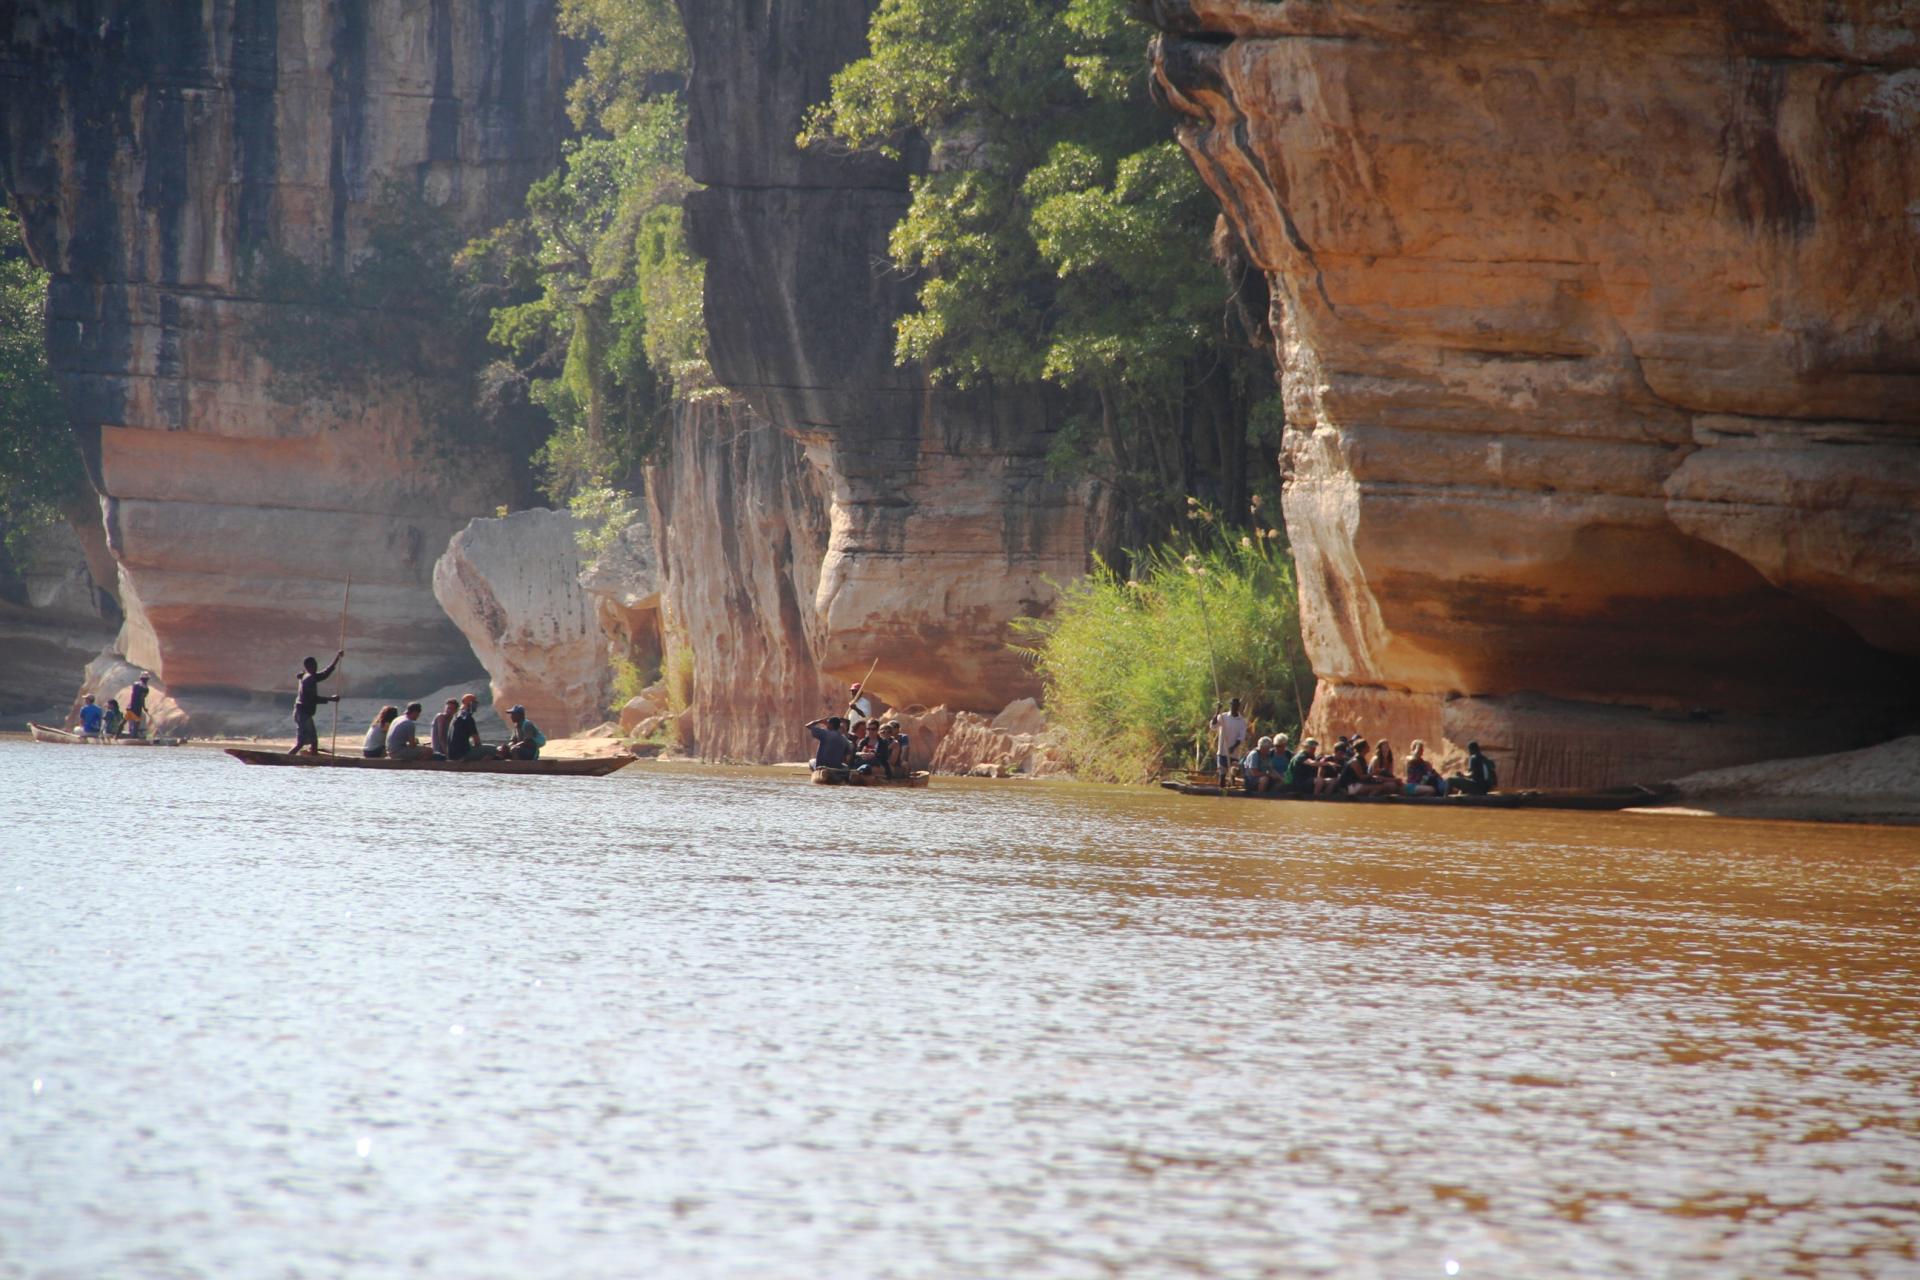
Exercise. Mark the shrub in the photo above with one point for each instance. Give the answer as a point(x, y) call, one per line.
point(1134, 666)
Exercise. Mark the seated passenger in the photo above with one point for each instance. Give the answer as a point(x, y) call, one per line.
point(1480, 777)
point(1258, 768)
point(833, 750)
point(1422, 778)
point(1302, 767)
point(1355, 778)
point(114, 721)
point(374, 747)
point(463, 735)
point(1380, 777)
point(1327, 772)
point(903, 749)
point(403, 736)
point(90, 717)
point(443, 728)
point(525, 740)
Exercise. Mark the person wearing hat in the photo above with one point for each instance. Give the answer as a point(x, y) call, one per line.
point(1259, 770)
point(137, 706)
point(525, 741)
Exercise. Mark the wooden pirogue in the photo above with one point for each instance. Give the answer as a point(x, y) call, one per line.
point(1608, 798)
point(47, 733)
point(848, 778)
point(582, 767)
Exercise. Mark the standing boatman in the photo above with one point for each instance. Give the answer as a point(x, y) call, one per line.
point(307, 699)
point(137, 706)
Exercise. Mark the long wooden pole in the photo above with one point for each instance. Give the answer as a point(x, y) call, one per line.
point(863, 683)
point(345, 601)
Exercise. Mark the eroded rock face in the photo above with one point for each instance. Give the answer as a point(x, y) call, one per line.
point(941, 520)
point(152, 156)
point(512, 586)
point(1601, 357)
point(54, 618)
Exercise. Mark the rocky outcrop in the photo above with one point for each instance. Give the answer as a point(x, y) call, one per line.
point(940, 519)
point(1015, 742)
point(742, 524)
point(512, 586)
point(1601, 362)
point(54, 618)
point(154, 156)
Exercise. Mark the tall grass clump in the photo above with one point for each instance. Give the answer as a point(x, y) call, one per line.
point(1133, 667)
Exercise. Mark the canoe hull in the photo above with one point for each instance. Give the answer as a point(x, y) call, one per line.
point(48, 733)
point(847, 778)
point(588, 767)
point(1610, 799)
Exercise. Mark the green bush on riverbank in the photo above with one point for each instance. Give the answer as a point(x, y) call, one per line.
point(1132, 664)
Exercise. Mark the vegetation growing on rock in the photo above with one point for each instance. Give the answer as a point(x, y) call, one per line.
point(40, 471)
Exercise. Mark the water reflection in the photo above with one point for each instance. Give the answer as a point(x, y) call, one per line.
point(691, 1023)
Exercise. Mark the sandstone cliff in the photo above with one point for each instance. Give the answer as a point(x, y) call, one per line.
point(898, 520)
point(153, 156)
point(1602, 361)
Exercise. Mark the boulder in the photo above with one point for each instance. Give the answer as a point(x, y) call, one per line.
point(512, 586)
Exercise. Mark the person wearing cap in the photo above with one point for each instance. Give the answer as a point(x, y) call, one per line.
point(525, 741)
point(859, 705)
point(403, 736)
point(1258, 771)
point(463, 735)
point(1301, 768)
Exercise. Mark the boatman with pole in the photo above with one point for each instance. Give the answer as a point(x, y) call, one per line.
point(307, 699)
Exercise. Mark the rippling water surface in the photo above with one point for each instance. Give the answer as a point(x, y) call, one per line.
point(699, 1023)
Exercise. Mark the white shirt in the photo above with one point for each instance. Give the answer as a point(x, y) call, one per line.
point(1232, 732)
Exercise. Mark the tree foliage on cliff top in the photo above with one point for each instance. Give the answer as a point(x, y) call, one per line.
point(1060, 235)
point(594, 297)
point(40, 472)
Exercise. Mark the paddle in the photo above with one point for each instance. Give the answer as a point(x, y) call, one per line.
point(334, 749)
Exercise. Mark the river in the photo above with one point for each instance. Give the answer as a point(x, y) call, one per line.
point(693, 1022)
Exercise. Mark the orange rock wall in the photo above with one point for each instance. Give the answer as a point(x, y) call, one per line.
point(151, 156)
point(1601, 352)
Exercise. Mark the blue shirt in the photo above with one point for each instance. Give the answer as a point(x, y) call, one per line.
point(834, 747)
point(90, 718)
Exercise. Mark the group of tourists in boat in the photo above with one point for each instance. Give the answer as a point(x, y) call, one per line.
point(1347, 769)
point(394, 733)
point(861, 747)
point(98, 723)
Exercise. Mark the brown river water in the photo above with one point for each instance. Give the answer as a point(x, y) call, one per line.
point(692, 1022)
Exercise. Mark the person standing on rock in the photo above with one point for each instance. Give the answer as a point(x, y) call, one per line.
point(306, 700)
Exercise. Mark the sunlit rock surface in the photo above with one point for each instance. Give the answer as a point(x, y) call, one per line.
point(152, 153)
point(1602, 362)
point(941, 521)
point(512, 586)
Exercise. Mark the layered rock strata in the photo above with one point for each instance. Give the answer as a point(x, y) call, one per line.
point(1601, 359)
point(55, 616)
point(154, 158)
point(941, 521)
point(512, 586)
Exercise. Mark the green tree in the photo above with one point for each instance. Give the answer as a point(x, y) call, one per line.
point(594, 297)
point(40, 472)
point(1059, 235)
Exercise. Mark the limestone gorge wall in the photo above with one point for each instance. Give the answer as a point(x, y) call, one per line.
point(1600, 327)
point(870, 515)
point(152, 152)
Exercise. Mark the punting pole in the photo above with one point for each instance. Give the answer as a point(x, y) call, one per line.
point(345, 601)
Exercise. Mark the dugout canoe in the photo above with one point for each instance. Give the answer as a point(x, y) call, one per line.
point(1599, 800)
point(578, 767)
point(48, 733)
point(848, 778)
